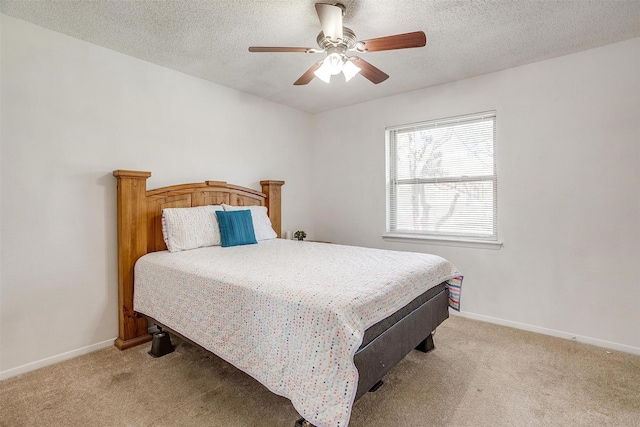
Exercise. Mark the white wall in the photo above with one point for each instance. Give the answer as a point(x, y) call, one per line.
point(72, 113)
point(568, 157)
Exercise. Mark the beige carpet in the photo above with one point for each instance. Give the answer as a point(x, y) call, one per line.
point(479, 375)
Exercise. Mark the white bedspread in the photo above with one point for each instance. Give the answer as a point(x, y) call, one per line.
point(291, 314)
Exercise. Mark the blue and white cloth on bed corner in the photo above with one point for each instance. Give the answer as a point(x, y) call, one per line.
point(455, 287)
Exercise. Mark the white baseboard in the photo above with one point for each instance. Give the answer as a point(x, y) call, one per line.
point(551, 332)
point(54, 359)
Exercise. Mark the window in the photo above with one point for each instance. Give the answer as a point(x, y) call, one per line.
point(441, 179)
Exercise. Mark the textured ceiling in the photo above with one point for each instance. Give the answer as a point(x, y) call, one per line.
point(209, 39)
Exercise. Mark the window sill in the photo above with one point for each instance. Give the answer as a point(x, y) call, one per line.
point(466, 243)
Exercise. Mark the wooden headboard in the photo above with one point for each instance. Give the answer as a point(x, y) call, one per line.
point(140, 229)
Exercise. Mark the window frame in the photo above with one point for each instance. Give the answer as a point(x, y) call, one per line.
point(392, 182)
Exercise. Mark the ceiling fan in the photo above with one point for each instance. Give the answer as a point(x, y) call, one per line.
point(336, 40)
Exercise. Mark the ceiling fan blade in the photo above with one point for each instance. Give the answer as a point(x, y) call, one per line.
point(331, 20)
point(308, 75)
point(374, 74)
point(399, 41)
point(279, 49)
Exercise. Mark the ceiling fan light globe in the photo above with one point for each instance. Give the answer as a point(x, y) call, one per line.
point(324, 72)
point(334, 63)
point(350, 70)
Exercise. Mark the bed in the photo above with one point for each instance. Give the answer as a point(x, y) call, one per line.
point(322, 344)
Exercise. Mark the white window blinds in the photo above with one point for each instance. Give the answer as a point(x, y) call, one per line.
point(441, 178)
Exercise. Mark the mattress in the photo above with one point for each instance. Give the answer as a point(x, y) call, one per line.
point(291, 314)
point(376, 330)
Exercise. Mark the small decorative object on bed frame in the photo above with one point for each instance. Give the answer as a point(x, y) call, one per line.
point(300, 235)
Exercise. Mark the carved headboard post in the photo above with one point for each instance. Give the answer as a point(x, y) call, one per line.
point(273, 190)
point(132, 244)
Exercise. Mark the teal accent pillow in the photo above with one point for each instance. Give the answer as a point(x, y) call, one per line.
point(236, 228)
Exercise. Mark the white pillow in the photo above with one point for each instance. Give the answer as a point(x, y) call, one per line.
point(190, 228)
point(261, 223)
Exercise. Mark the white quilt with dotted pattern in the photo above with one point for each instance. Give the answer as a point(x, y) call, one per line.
point(291, 314)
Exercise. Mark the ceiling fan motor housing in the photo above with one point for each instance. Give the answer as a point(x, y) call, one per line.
point(348, 40)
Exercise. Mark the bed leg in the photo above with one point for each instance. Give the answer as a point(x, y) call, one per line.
point(426, 345)
point(376, 386)
point(303, 423)
point(161, 344)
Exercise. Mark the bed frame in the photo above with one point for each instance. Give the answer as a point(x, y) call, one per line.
point(140, 232)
